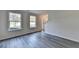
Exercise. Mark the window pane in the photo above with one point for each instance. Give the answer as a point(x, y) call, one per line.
point(32, 25)
point(18, 25)
point(15, 25)
point(14, 17)
point(32, 18)
point(12, 25)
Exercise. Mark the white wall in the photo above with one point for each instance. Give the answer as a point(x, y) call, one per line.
point(63, 23)
point(4, 33)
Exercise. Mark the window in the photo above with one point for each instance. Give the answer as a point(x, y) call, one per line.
point(32, 21)
point(14, 21)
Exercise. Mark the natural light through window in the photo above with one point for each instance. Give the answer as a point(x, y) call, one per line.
point(32, 21)
point(14, 21)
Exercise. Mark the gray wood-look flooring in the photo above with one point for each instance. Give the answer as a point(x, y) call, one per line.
point(38, 40)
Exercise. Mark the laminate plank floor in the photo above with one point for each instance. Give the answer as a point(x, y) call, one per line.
point(38, 40)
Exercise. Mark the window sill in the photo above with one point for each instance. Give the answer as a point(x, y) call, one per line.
point(32, 27)
point(12, 30)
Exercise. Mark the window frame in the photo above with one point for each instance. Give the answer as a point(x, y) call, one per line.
point(35, 22)
point(12, 29)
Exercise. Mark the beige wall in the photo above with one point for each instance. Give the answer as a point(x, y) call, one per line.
point(44, 19)
point(4, 33)
point(64, 24)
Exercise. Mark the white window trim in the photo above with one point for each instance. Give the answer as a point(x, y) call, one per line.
point(35, 22)
point(17, 29)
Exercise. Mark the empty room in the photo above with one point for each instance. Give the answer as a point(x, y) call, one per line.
point(39, 28)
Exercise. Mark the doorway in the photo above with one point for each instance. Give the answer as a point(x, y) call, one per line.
point(44, 21)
